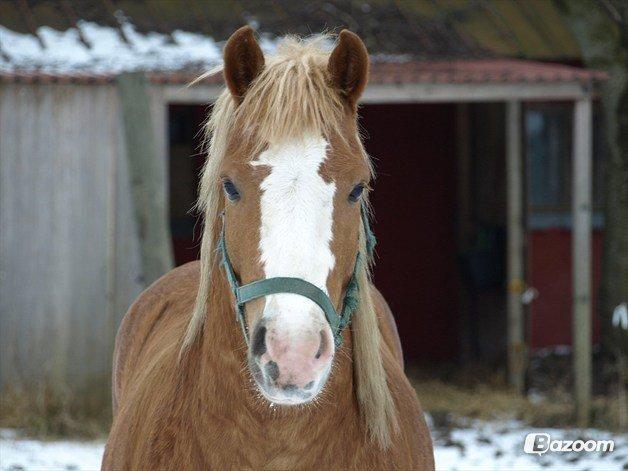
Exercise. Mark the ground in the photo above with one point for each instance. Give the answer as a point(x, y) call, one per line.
point(477, 423)
point(26, 454)
point(476, 445)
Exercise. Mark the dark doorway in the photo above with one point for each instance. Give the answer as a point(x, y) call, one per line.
point(186, 161)
point(413, 147)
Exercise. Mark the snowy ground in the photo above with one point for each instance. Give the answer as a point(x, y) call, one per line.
point(23, 454)
point(499, 446)
point(480, 446)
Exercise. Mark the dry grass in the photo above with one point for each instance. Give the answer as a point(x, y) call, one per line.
point(488, 398)
point(52, 412)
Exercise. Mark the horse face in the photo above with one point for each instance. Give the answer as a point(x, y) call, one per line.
point(290, 215)
point(293, 210)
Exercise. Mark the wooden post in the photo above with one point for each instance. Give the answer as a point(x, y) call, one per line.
point(464, 226)
point(463, 164)
point(148, 176)
point(112, 249)
point(516, 285)
point(581, 258)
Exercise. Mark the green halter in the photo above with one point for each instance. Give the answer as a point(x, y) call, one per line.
point(268, 286)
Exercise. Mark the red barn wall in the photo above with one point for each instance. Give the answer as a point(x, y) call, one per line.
point(549, 271)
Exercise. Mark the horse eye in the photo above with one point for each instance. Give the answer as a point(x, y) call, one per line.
point(356, 193)
point(231, 190)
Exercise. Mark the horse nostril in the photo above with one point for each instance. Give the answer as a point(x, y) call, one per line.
point(322, 346)
point(290, 387)
point(259, 341)
point(272, 370)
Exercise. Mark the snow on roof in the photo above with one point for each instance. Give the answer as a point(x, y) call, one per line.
point(91, 52)
point(91, 48)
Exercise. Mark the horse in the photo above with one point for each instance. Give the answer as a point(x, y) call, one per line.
point(313, 376)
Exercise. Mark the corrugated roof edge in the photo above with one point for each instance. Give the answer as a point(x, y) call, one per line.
point(382, 72)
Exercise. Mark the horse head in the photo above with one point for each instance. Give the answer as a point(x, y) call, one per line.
point(284, 195)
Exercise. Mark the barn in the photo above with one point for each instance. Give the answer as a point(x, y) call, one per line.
point(481, 121)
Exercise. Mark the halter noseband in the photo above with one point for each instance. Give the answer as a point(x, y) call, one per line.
point(268, 286)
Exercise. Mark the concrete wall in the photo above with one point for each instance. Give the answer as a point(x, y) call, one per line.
point(69, 254)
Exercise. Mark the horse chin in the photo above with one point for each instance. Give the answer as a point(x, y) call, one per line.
point(290, 396)
point(277, 398)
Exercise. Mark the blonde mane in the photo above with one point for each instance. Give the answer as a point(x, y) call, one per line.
point(290, 98)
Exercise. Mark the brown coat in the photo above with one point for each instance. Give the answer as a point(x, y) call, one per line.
point(203, 412)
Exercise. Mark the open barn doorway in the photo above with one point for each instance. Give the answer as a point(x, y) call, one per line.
point(186, 162)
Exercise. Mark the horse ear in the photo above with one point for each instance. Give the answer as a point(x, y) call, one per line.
point(349, 66)
point(244, 61)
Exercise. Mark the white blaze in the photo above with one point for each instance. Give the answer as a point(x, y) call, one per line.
point(296, 223)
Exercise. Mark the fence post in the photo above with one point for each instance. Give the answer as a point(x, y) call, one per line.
point(516, 284)
point(581, 258)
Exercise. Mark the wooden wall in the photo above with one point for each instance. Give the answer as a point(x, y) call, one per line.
point(549, 270)
point(69, 258)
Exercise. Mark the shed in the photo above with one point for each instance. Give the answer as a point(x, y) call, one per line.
point(97, 125)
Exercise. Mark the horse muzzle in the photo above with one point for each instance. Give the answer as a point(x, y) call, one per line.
point(290, 360)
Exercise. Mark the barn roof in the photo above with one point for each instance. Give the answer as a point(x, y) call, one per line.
point(426, 41)
point(427, 29)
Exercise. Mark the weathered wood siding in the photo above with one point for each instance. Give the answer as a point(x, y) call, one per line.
point(147, 174)
point(61, 169)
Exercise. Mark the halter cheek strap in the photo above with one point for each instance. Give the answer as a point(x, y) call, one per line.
point(260, 288)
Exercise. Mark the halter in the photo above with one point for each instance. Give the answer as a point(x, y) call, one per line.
point(280, 284)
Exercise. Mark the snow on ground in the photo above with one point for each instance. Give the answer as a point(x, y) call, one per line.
point(477, 446)
point(24, 454)
point(499, 446)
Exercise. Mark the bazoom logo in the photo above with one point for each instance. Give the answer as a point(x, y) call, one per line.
point(540, 443)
